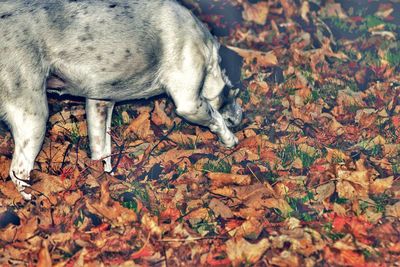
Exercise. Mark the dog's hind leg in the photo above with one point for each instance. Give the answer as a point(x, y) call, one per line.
point(27, 119)
point(99, 114)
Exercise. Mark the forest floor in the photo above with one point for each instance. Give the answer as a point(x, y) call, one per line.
point(314, 180)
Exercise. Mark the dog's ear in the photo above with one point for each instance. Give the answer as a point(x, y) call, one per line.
point(232, 63)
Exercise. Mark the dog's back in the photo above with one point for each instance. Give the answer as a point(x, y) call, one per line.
point(99, 48)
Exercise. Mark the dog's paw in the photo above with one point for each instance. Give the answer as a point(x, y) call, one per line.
point(230, 141)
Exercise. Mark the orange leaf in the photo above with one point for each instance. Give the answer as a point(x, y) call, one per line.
point(352, 258)
point(44, 255)
point(145, 251)
point(212, 260)
point(338, 223)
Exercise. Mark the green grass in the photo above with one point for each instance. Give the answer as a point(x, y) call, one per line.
point(188, 145)
point(217, 166)
point(393, 57)
point(140, 193)
point(290, 152)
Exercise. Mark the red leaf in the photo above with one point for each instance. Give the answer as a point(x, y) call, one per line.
point(145, 251)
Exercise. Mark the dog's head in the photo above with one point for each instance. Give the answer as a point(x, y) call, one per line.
point(231, 67)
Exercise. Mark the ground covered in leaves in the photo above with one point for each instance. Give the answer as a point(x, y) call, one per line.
point(313, 182)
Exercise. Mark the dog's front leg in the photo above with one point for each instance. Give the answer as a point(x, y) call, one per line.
point(196, 109)
point(98, 115)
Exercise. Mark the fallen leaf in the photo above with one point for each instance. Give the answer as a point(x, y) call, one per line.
point(44, 255)
point(241, 251)
point(140, 126)
point(379, 186)
point(257, 12)
point(219, 179)
point(220, 209)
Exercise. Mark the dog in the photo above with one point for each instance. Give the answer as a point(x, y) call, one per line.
point(109, 51)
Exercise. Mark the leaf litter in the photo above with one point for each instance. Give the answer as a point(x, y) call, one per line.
point(314, 180)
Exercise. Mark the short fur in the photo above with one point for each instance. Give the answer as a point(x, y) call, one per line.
point(106, 51)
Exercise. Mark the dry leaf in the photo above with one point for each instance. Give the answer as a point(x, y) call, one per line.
point(219, 179)
point(140, 126)
point(264, 59)
point(241, 251)
point(44, 255)
point(256, 12)
point(5, 164)
point(220, 209)
point(379, 186)
point(281, 204)
point(111, 210)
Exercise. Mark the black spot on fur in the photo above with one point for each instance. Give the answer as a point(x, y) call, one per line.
point(112, 5)
point(232, 63)
point(7, 15)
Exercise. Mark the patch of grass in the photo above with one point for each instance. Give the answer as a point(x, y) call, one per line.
point(79, 220)
point(332, 235)
point(370, 57)
point(205, 228)
point(138, 192)
point(74, 135)
point(298, 206)
point(290, 152)
point(352, 108)
point(396, 169)
point(244, 95)
point(381, 201)
point(217, 166)
point(375, 151)
point(287, 154)
point(188, 145)
point(393, 57)
point(328, 92)
point(370, 100)
point(372, 21)
point(117, 119)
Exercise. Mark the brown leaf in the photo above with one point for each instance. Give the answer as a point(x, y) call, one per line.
point(241, 251)
point(48, 184)
point(353, 184)
point(393, 210)
point(264, 59)
point(5, 164)
point(257, 12)
point(219, 179)
point(44, 255)
point(379, 186)
point(159, 117)
point(220, 209)
point(27, 229)
point(273, 203)
point(140, 126)
point(110, 209)
point(324, 191)
point(250, 229)
point(75, 128)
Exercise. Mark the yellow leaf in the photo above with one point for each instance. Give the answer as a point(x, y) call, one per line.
point(381, 185)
